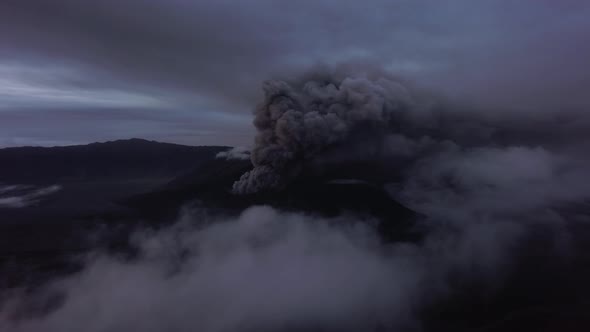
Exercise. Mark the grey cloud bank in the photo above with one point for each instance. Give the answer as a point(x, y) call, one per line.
point(211, 57)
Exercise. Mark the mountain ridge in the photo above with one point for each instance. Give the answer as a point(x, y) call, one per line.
point(127, 158)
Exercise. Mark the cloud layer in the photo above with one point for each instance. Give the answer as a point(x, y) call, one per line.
point(264, 271)
point(203, 62)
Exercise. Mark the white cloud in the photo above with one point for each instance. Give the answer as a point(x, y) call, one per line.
point(239, 153)
point(265, 270)
point(20, 196)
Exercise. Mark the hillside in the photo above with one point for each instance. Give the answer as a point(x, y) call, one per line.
point(131, 158)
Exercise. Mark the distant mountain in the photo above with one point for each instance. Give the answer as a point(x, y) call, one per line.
point(121, 159)
point(82, 185)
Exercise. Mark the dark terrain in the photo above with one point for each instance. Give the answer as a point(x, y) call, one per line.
point(121, 185)
point(37, 240)
point(110, 188)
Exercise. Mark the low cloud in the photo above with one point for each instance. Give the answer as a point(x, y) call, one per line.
point(235, 153)
point(20, 196)
point(265, 270)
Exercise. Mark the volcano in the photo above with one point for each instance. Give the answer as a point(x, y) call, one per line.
point(121, 185)
point(209, 185)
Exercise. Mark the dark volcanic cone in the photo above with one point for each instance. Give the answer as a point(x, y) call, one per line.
point(210, 184)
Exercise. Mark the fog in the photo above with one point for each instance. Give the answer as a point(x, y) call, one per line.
point(482, 183)
point(265, 270)
point(20, 196)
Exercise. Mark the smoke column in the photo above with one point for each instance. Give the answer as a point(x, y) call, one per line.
point(298, 120)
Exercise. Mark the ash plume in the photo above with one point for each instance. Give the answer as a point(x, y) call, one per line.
point(298, 120)
point(346, 113)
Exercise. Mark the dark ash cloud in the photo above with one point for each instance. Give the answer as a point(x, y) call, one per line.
point(300, 119)
point(336, 115)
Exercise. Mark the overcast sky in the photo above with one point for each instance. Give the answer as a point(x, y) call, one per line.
point(77, 71)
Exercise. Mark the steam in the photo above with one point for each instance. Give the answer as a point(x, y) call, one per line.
point(300, 119)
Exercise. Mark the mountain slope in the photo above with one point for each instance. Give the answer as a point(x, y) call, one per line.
point(210, 184)
point(132, 158)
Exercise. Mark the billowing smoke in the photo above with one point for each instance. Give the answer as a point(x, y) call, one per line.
point(342, 114)
point(298, 120)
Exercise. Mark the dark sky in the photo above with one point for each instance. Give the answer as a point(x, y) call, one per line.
point(77, 71)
